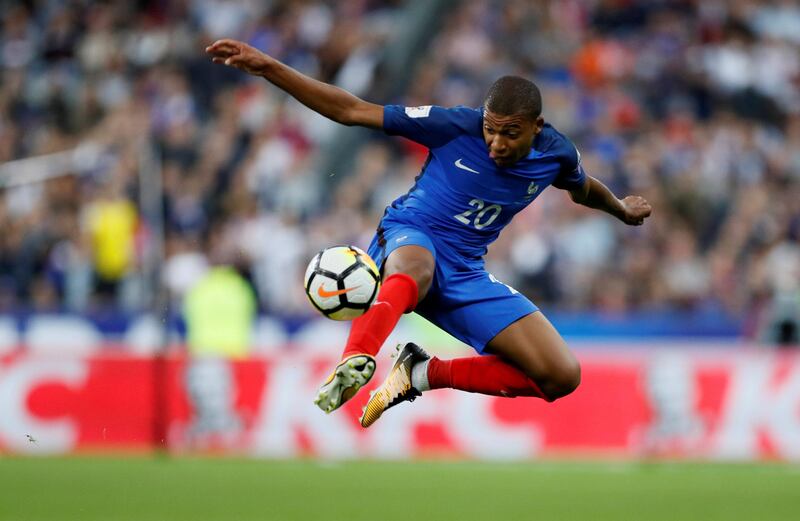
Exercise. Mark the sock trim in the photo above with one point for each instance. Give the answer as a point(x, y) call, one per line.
point(419, 377)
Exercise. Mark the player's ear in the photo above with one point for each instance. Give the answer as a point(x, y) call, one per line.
point(538, 125)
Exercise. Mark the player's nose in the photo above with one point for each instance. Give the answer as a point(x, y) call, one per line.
point(497, 149)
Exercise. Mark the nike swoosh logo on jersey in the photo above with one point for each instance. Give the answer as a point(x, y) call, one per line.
point(462, 166)
point(326, 294)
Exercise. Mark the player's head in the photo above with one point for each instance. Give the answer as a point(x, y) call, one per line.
point(512, 118)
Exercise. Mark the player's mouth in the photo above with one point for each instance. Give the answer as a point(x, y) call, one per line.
point(501, 160)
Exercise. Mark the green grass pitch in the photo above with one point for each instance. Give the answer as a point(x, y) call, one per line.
point(179, 489)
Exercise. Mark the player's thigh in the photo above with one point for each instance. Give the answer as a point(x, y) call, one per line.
point(415, 261)
point(535, 347)
point(401, 248)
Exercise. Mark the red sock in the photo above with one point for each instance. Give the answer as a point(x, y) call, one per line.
point(398, 295)
point(481, 374)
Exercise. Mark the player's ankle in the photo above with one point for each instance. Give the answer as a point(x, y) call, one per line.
point(419, 377)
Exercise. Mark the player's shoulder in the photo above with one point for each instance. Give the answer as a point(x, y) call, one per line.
point(467, 118)
point(552, 142)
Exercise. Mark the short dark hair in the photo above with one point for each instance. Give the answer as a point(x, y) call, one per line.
point(511, 95)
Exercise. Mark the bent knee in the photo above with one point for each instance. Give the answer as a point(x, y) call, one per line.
point(421, 271)
point(563, 380)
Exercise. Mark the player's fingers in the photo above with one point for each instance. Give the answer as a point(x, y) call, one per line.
point(228, 41)
point(224, 47)
point(225, 43)
point(238, 61)
point(221, 53)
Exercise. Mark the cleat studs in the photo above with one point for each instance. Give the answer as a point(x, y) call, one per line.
point(353, 374)
point(357, 386)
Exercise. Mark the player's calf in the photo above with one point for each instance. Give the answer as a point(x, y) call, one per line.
point(534, 347)
point(414, 372)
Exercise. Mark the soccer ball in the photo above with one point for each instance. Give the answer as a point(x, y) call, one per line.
point(341, 282)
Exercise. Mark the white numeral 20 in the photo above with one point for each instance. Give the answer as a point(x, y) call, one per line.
point(485, 216)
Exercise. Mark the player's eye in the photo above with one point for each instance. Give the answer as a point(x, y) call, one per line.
point(489, 130)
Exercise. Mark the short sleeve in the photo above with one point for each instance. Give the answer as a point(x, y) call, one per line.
point(430, 125)
point(572, 176)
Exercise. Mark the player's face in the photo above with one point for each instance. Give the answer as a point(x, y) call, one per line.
point(509, 138)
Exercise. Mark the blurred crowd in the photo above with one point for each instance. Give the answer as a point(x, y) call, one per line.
point(693, 104)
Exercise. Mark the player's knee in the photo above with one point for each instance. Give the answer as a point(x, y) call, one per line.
point(414, 261)
point(421, 272)
point(563, 380)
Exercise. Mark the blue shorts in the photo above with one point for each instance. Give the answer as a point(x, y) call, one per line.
point(464, 299)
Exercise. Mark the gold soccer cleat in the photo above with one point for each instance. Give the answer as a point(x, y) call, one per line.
point(397, 387)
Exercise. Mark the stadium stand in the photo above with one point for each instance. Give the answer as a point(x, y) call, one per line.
point(696, 105)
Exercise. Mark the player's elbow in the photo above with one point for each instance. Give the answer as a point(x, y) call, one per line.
point(579, 196)
point(360, 113)
point(345, 117)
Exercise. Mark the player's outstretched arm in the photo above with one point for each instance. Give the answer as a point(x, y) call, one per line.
point(633, 209)
point(330, 101)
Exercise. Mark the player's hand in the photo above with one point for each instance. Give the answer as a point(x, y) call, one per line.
point(234, 53)
point(635, 210)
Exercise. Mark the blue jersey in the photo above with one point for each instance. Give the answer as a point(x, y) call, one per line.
point(461, 195)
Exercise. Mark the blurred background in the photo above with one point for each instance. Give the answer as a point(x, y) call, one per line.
point(158, 212)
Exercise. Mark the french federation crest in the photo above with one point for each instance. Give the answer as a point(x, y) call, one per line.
point(533, 189)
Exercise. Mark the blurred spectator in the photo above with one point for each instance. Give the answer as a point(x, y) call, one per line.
point(219, 311)
point(111, 221)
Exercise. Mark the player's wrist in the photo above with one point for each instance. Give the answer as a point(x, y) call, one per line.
point(260, 64)
point(620, 211)
point(267, 66)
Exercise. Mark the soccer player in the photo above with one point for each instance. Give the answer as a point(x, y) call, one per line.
point(484, 166)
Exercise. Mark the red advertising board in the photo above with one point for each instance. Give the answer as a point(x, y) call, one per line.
point(716, 404)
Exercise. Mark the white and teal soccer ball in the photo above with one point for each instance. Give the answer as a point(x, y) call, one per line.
point(342, 282)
